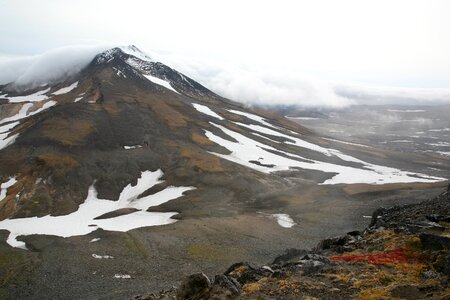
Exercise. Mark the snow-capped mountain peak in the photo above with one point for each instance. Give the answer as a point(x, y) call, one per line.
point(129, 51)
point(135, 51)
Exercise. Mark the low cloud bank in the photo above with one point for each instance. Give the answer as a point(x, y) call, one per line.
point(48, 67)
point(252, 86)
point(392, 95)
point(275, 87)
point(260, 87)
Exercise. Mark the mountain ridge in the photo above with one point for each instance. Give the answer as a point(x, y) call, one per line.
point(212, 181)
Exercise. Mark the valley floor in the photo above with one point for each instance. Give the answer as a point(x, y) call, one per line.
point(403, 254)
point(115, 265)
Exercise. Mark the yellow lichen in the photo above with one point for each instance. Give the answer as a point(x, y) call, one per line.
point(251, 288)
point(374, 294)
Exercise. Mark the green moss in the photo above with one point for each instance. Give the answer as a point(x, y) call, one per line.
point(213, 252)
point(134, 246)
point(14, 269)
point(386, 280)
point(414, 244)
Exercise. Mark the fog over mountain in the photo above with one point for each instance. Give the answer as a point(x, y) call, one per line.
point(248, 85)
point(47, 67)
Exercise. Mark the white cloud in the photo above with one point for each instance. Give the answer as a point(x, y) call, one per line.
point(273, 86)
point(47, 67)
point(363, 94)
point(243, 83)
point(256, 86)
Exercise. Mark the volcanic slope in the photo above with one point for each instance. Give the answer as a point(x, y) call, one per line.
point(130, 143)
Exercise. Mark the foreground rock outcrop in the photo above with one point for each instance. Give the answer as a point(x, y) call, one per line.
point(403, 254)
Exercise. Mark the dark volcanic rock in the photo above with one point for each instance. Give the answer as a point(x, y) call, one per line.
point(414, 217)
point(116, 213)
point(435, 242)
point(194, 287)
point(289, 255)
point(438, 218)
point(309, 264)
point(442, 263)
point(339, 244)
point(225, 287)
point(408, 292)
point(335, 243)
point(245, 272)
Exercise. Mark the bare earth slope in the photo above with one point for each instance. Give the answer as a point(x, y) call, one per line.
point(93, 166)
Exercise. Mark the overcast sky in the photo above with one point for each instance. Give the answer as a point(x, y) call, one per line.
point(321, 51)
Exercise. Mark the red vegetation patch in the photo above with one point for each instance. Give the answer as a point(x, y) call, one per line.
point(383, 258)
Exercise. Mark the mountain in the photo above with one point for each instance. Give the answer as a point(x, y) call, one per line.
point(92, 162)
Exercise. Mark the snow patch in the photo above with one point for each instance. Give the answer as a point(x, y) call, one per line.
point(206, 110)
point(67, 89)
point(245, 151)
point(4, 187)
point(347, 143)
point(439, 130)
point(120, 73)
point(401, 141)
point(83, 221)
point(6, 139)
point(171, 192)
point(284, 220)
point(407, 110)
point(7, 127)
point(132, 147)
point(38, 96)
point(252, 117)
point(291, 140)
point(102, 256)
point(134, 51)
point(439, 144)
point(444, 153)
point(122, 276)
point(94, 240)
point(302, 118)
point(160, 82)
point(23, 112)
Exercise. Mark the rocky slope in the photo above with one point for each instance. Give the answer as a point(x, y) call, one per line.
point(94, 164)
point(403, 254)
point(125, 114)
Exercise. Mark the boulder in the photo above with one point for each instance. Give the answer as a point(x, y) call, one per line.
point(309, 264)
point(438, 218)
point(194, 287)
point(289, 255)
point(245, 272)
point(408, 292)
point(225, 287)
point(442, 262)
point(314, 263)
point(434, 242)
point(430, 274)
point(337, 244)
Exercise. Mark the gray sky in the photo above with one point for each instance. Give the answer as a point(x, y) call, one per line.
point(258, 51)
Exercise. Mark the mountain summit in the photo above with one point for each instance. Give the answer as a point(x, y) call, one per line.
point(129, 142)
point(125, 114)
